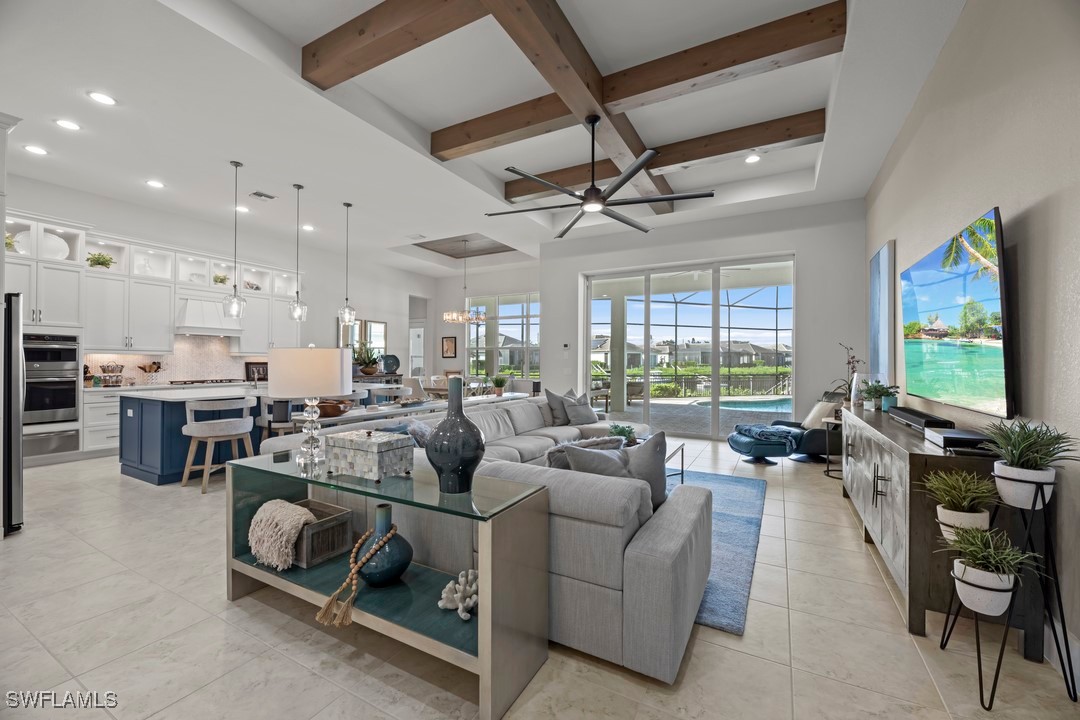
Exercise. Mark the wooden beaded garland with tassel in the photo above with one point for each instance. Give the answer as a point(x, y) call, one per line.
point(340, 614)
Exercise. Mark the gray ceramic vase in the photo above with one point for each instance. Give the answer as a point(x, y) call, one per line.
point(456, 446)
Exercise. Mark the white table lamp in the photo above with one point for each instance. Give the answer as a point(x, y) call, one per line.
point(310, 373)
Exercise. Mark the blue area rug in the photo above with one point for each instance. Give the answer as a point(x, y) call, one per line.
point(738, 504)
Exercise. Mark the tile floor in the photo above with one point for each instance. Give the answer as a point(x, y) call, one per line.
point(118, 585)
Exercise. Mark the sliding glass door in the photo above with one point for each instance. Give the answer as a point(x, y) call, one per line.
point(693, 351)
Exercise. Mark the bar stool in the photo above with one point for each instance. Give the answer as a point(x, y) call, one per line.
point(214, 431)
point(266, 419)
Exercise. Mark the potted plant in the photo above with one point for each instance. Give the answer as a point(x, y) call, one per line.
point(499, 383)
point(847, 384)
point(888, 402)
point(1026, 453)
point(987, 570)
point(873, 391)
point(626, 432)
point(221, 279)
point(366, 357)
point(962, 498)
point(100, 259)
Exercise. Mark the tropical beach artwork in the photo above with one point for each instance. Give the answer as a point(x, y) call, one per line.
point(953, 332)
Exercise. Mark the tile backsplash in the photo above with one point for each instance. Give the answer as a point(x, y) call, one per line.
point(194, 357)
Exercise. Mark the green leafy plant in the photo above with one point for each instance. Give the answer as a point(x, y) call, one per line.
point(960, 491)
point(1028, 446)
point(221, 279)
point(624, 431)
point(100, 259)
point(664, 390)
point(364, 355)
point(876, 390)
point(499, 381)
point(990, 550)
point(9, 241)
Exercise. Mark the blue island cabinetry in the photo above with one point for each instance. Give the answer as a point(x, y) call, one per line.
point(153, 447)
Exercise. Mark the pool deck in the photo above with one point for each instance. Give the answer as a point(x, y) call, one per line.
point(682, 416)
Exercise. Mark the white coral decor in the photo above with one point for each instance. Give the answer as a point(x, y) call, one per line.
point(460, 595)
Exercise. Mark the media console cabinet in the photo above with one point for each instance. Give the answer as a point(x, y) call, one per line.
point(884, 465)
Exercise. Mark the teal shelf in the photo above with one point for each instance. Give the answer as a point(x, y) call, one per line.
point(411, 603)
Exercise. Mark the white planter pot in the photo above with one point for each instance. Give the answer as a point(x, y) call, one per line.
point(1022, 494)
point(868, 404)
point(956, 519)
point(988, 602)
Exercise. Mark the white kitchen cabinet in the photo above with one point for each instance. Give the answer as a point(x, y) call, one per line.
point(151, 317)
point(284, 331)
point(106, 305)
point(52, 292)
point(255, 327)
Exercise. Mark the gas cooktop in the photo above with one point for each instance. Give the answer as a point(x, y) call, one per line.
point(216, 381)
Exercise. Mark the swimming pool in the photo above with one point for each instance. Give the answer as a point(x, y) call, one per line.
point(772, 404)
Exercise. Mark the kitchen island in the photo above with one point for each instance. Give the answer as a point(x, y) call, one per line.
point(153, 447)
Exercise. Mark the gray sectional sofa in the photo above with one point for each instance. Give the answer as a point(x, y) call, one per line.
point(625, 580)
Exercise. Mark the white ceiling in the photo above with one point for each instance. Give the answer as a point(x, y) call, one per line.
point(208, 81)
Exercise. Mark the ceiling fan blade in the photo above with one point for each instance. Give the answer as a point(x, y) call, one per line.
point(535, 209)
point(545, 183)
point(634, 168)
point(625, 220)
point(573, 221)
point(659, 198)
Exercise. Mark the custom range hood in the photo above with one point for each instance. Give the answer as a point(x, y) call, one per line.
point(204, 317)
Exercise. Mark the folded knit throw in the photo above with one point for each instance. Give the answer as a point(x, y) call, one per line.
point(274, 530)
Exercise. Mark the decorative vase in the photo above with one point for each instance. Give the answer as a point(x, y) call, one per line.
point(877, 403)
point(888, 402)
point(949, 519)
point(387, 565)
point(369, 369)
point(867, 404)
point(993, 594)
point(390, 364)
point(456, 446)
point(1018, 487)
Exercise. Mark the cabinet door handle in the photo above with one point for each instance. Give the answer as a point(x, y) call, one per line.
point(115, 413)
point(111, 437)
point(878, 492)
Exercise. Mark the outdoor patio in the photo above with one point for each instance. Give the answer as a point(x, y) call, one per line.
point(683, 416)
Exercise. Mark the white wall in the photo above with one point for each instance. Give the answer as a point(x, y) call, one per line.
point(996, 124)
point(827, 241)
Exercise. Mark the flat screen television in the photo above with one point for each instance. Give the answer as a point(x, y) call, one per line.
point(956, 329)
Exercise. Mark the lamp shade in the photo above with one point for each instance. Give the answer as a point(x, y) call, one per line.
point(310, 372)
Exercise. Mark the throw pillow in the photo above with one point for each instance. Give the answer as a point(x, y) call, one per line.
point(558, 408)
point(819, 412)
point(556, 456)
point(421, 432)
point(545, 412)
point(579, 411)
point(644, 462)
point(397, 429)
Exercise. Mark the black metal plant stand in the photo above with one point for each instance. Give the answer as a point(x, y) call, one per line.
point(1047, 573)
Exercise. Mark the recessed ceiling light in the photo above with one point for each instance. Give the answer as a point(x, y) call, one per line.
point(100, 242)
point(10, 222)
point(35, 150)
point(192, 259)
point(241, 208)
point(309, 228)
point(68, 124)
point(752, 158)
point(282, 274)
point(101, 98)
point(155, 184)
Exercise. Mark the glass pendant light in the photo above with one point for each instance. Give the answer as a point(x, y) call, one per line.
point(347, 313)
point(466, 316)
point(233, 304)
point(298, 308)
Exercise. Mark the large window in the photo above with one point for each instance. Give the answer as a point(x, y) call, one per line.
point(509, 342)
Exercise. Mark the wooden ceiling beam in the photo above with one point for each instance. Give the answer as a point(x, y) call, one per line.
point(386, 31)
point(793, 131)
point(542, 32)
point(788, 41)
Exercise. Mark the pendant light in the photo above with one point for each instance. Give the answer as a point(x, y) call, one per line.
point(298, 308)
point(233, 304)
point(346, 313)
point(466, 316)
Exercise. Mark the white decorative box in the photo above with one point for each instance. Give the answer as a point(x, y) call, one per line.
point(369, 454)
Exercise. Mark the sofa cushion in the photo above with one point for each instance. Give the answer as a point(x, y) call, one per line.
point(494, 451)
point(568, 433)
point(527, 446)
point(819, 412)
point(579, 410)
point(556, 456)
point(525, 416)
point(545, 411)
point(603, 428)
point(495, 424)
point(644, 462)
point(558, 407)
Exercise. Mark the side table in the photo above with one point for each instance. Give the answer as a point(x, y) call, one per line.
point(830, 425)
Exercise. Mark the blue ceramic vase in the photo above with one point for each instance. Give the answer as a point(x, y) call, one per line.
point(393, 559)
point(456, 446)
point(390, 364)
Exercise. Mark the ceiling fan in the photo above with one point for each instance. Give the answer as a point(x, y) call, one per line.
point(595, 200)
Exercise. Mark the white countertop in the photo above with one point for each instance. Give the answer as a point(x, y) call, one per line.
point(210, 392)
point(166, 386)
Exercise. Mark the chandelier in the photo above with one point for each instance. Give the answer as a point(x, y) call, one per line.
point(466, 316)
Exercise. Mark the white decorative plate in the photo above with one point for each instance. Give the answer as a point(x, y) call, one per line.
point(53, 247)
point(22, 242)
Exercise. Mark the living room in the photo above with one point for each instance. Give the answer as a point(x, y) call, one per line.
point(624, 549)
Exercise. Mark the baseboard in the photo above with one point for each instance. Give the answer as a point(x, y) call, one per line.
point(56, 458)
point(1050, 650)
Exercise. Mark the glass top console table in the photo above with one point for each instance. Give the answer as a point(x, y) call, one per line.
point(504, 643)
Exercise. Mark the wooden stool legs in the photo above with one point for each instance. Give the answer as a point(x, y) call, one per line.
point(208, 465)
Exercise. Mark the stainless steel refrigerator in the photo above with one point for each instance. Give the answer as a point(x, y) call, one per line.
point(14, 388)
